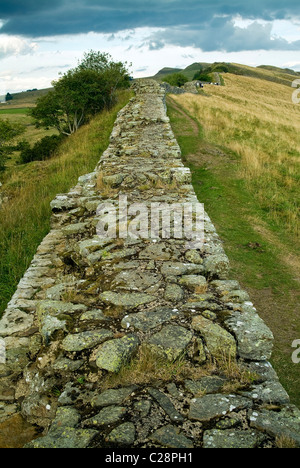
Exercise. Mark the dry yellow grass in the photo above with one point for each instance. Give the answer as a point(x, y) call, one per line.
point(258, 121)
point(147, 368)
point(285, 442)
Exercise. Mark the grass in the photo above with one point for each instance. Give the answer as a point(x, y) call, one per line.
point(284, 442)
point(148, 368)
point(25, 218)
point(8, 112)
point(258, 122)
point(236, 187)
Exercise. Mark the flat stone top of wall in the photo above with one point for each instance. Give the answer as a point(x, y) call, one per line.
point(136, 342)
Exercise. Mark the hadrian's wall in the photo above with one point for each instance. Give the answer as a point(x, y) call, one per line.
point(88, 306)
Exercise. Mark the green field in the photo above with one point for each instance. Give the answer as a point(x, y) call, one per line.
point(9, 111)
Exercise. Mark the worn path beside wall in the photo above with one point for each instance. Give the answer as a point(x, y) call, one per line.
point(132, 342)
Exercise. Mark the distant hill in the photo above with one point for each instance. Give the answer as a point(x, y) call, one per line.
point(272, 68)
point(25, 99)
point(190, 71)
point(166, 71)
point(264, 72)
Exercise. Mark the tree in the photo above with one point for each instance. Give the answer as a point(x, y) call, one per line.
point(8, 97)
point(8, 132)
point(75, 97)
point(81, 93)
point(116, 72)
point(176, 79)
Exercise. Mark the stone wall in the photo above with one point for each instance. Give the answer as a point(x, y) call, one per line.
point(172, 89)
point(136, 342)
point(192, 87)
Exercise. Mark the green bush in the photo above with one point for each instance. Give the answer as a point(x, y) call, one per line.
point(42, 150)
point(202, 76)
point(221, 68)
point(176, 79)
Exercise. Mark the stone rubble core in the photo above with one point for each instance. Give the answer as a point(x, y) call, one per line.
point(88, 309)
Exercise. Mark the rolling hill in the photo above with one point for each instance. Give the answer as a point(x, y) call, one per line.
point(24, 99)
point(264, 72)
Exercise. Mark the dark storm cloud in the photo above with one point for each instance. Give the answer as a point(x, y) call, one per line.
point(222, 35)
point(205, 24)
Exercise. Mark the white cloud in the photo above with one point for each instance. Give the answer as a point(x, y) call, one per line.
point(14, 45)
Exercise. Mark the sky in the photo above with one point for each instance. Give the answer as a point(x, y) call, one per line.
point(40, 40)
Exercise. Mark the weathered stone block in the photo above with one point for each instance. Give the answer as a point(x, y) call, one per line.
point(171, 342)
point(195, 283)
point(113, 181)
point(145, 321)
point(113, 397)
point(123, 435)
point(126, 300)
point(277, 424)
point(210, 407)
point(166, 405)
point(106, 417)
point(73, 229)
point(179, 269)
point(15, 321)
point(217, 266)
point(113, 355)
point(254, 338)
point(65, 438)
point(174, 293)
point(269, 393)
point(231, 439)
point(171, 437)
point(219, 342)
point(86, 340)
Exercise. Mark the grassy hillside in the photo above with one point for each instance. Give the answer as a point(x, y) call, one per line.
point(25, 219)
point(242, 143)
point(264, 72)
point(268, 73)
point(190, 71)
point(259, 123)
point(24, 100)
point(166, 71)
